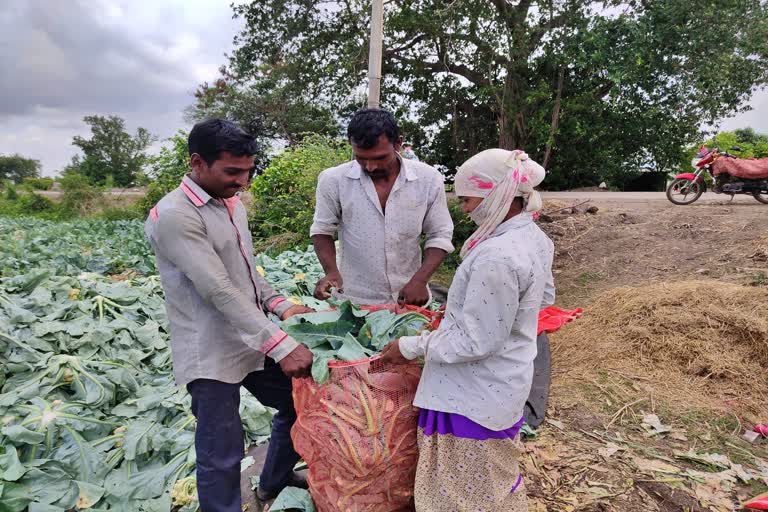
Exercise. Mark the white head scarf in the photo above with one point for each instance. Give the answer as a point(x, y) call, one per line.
point(498, 176)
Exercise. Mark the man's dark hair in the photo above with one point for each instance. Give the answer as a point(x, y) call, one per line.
point(210, 137)
point(368, 124)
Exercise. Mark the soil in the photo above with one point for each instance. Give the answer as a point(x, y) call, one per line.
point(654, 242)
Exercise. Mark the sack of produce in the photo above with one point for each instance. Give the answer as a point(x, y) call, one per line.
point(356, 425)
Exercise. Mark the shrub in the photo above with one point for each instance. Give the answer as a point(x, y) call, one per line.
point(79, 196)
point(284, 194)
point(39, 183)
point(166, 171)
point(10, 193)
point(32, 204)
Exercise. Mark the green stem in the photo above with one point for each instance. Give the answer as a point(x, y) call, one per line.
point(88, 420)
point(19, 344)
point(103, 440)
point(189, 421)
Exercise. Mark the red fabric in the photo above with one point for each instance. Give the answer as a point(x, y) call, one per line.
point(758, 502)
point(552, 318)
point(762, 429)
point(752, 168)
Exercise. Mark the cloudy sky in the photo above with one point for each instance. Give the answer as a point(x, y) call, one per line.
point(139, 59)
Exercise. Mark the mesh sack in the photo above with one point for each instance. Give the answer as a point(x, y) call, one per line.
point(357, 434)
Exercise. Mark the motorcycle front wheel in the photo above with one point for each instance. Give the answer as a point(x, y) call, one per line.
point(683, 191)
point(761, 196)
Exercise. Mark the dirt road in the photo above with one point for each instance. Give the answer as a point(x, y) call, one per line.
point(614, 198)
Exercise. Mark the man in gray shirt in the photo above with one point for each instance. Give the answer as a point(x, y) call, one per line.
point(381, 206)
point(221, 338)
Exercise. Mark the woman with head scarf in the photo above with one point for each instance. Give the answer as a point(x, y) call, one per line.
point(478, 365)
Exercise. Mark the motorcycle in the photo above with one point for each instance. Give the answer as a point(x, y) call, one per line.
point(721, 166)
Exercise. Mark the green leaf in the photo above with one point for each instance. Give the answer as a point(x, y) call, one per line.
point(11, 468)
point(13, 497)
point(50, 482)
point(351, 350)
point(89, 494)
point(293, 498)
point(137, 438)
point(19, 434)
point(42, 507)
point(320, 371)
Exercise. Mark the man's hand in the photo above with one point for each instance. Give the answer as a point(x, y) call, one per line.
point(392, 355)
point(322, 290)
point(297, 364)
point(415, 292)
point(296, 310)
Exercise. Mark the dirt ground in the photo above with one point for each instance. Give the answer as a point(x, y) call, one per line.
point(597, 451)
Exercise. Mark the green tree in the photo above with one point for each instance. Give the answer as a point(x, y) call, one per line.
point(590, 89)
point(166, 170)
point(18, 168)
point(111, 151)
point(266, 110)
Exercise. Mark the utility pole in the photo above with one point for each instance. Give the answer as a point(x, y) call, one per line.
point(374, 55)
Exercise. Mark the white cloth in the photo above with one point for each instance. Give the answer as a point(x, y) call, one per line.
point(479, 362)
point(498, 176)
point(381, 253)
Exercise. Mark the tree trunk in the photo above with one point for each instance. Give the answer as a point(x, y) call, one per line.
point(555, 117)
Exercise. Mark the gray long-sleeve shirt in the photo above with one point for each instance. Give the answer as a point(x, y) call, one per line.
point(380, 250)
point(479, 362)
point(216, 301)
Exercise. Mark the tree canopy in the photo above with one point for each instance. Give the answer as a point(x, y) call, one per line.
point(111, 152)
point(17, 167)
point(591, 89)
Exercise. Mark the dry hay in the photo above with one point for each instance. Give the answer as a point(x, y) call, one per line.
point(760, 252)
point(701, 343)
point(551, 205)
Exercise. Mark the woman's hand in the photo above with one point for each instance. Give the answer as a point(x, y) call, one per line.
point(392, 355)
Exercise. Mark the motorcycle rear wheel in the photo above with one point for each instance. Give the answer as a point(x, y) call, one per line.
point(761, 196)
point(689, 189)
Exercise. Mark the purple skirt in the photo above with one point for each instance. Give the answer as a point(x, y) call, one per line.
point(436, 422)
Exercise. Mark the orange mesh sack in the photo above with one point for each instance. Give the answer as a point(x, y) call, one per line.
point(357, 434)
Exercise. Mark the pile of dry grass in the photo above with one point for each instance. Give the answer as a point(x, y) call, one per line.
point(700, 342)
point(551, 205)
point(760, 252)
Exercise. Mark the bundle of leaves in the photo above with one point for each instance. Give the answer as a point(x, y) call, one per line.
point(91, 416)
point(349, 333)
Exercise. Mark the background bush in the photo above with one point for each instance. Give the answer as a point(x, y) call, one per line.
point(284, 194)
point(166, 171)
point(39, 183)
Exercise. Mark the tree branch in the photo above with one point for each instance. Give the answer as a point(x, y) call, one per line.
point(442, 66)
point(406, 46)
point(555, 117)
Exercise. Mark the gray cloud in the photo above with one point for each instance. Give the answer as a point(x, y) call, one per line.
point(134, 58)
